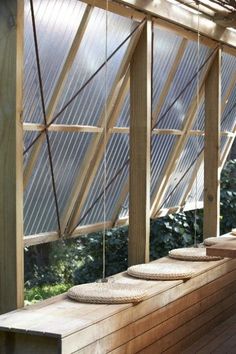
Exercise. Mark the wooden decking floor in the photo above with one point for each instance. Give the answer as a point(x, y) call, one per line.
point(220, 340)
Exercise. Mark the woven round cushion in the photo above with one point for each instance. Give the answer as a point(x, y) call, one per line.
point(192, 254)
point(216, 240)
point(107, 293)
point(161, 271)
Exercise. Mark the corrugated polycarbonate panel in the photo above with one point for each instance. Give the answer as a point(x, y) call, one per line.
point(199, 123)
point(124, 118)
point(228, 70)
point(172, 115)
point(56, 23)
point(160, 149)
point(117, 154)
point(228, 73)
point(228, 121)
point(165, 48)
point(39, 205)
point(29, 137)
point(180, 177)
point(68, 151)
point(197, 189)
point(94, 49)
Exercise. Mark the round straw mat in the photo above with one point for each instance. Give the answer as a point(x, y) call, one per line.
point(107, 293)
point(161, 271)
point(192, 254)
point(216, 240)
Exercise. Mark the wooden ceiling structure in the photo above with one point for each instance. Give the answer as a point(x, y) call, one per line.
point(134, 74)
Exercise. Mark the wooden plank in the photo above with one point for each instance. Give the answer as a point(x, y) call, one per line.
point(58, 91)
point(223, 309)
point(211, 221)
point(140, 137)
point(95, 151)
point(63, 128)
point(165, 334)
point(163, 320)
point(174, 14)
point(224, 249)
point(86, 323)
point(116, 8)
point(46, 237)
point(11, 155)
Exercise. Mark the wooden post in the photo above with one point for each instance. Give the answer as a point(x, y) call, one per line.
point(11, 155)
point(140, 134)
point(212, 149)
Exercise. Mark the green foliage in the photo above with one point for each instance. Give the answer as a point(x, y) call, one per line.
point(228, 197)
point(80, 260)
point(39, 293)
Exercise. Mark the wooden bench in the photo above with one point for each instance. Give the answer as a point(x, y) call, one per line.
point(174, 314)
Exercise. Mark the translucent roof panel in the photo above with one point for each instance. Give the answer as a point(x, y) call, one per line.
point(39, 203)
point(184, 86)
point(161, 147)
point(165, 49)
point(116, 156)
point(228, 71)
point(196, 193)
point(124, 117)
point(68, 151)
point(183, 171)
point(55, 20)
point(97, 45)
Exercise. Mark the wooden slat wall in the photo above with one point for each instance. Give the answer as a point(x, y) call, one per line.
point(11, 155)
point(140, 149)
point(173, 312)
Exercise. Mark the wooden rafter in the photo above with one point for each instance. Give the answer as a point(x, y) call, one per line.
point(58, 91)
point(178, 147)
point(95, 151)
point(179, 16)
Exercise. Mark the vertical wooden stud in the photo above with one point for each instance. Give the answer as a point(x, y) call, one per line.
point(140, 135)
point(212, 149)
point(11, 155)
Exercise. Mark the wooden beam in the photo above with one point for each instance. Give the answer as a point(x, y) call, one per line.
point(58, 91)
point(211, 221)
point(140, 137)
point(63, 128)
point(11, 155)
point(46, 237)
point(179, 16)
point(116, 8)
point(95, 151)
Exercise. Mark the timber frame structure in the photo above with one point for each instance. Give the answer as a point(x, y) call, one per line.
point(138, 174)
